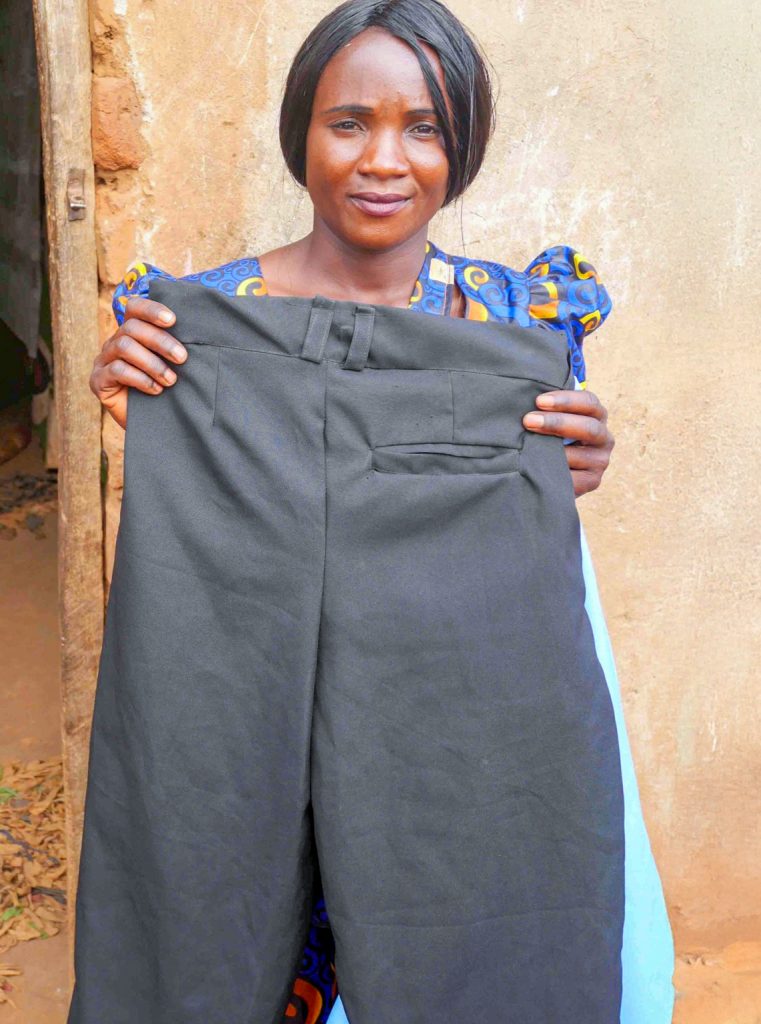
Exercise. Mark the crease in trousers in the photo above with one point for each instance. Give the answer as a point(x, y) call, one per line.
point(346, 642)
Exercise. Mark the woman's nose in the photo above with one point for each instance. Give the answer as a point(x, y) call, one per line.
point(384, 154)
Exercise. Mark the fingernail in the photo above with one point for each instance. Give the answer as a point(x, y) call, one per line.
point(534, 419)
point(169, 375)
point(546, 400)
point(179, 352)
point(166, 317)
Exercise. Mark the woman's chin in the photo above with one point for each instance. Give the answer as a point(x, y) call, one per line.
point(367, 232)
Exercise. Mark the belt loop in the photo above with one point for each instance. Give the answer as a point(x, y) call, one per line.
point(320, 319)
point(356, 357)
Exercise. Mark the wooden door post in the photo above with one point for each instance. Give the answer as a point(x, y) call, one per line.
point(64, 63)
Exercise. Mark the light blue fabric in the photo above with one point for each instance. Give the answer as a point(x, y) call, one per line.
point(338, 1014)
point(648, 948)
point(647, 955)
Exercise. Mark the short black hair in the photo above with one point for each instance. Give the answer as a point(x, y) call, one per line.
point(466, 76)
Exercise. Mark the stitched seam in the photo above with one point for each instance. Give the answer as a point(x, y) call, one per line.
point(216, 390)
point(451, 391)
point(383, 369)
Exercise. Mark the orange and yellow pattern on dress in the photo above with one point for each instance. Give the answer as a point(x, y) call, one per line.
point(417, 293)
point(252, 286)
point(238, 277)
point(307, 1005)
point(560, 288)
point(131, 285)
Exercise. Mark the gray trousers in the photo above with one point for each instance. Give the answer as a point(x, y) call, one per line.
point(346, 634)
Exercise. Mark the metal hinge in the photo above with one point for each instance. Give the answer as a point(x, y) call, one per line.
point(75, 194)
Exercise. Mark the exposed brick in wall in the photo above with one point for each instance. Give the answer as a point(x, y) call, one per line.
point(116, 118)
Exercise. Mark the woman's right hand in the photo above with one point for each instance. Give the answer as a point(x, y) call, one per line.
point(132, 357)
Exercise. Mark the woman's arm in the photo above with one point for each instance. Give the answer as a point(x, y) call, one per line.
point(581, 417)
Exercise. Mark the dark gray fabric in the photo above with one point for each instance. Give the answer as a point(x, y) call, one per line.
point(346, 630)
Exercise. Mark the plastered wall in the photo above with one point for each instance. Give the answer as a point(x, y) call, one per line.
point(629, 130)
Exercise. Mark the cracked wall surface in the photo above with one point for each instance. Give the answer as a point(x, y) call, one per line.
point(624, 130)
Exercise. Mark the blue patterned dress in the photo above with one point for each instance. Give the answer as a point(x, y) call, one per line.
point(562, 289)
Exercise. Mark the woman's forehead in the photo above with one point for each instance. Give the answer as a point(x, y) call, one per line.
point(376, 66)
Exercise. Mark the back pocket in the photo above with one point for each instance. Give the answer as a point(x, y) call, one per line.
point(444, 457)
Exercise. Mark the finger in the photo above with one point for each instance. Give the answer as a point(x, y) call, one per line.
point(156, 338)
point(583, 456)
point(150, 310)
point(118, 374)
point(139, 351)
point(584, 482)
point(584, 403)
point(586, 429)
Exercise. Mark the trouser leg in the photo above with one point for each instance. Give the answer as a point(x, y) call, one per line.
point(466, 773)
point(197, 860)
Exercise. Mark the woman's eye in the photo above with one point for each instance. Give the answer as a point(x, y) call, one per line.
point(432, 129)
point(344, 124)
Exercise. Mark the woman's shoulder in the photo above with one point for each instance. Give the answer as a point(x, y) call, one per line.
point(237, 277)
point(559, 286)
point(559, 289)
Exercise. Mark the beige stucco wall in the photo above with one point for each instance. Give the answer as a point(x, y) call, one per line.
point(629, 130)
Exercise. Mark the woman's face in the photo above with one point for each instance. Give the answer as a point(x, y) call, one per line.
point(383, 139)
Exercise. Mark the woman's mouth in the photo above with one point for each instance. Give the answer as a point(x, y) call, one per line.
point(379, 204)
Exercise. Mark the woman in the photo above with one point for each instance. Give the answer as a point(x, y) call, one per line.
point(385, 119)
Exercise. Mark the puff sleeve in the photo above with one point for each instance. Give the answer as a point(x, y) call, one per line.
point(566, 291)
point(136, 281)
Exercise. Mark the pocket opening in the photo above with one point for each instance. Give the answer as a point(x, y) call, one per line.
point(445, 458)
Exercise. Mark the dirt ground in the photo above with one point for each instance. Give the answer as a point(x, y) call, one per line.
point(29, 724)
point(717, 987)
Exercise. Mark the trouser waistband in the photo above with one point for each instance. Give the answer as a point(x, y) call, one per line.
point(363, 335)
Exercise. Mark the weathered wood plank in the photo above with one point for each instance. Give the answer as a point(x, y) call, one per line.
point(64, 62)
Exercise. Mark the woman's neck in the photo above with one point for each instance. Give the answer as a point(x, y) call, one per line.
point(321, 263)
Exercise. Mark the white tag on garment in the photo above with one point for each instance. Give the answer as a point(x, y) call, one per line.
point(441, 271)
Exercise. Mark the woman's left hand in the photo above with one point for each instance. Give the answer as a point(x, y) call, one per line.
point(579, 415)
